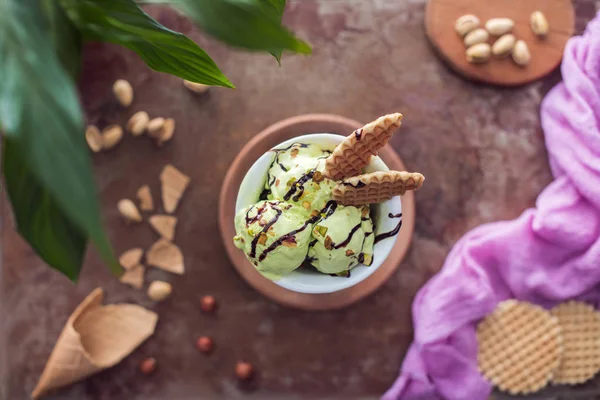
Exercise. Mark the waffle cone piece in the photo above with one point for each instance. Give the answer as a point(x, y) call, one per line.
point(580, 324)
point(375, 187)
point(94, 338)
point(354, 152)
point(520, 347)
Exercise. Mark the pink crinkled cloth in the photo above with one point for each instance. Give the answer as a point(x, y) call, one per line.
point(549, 254)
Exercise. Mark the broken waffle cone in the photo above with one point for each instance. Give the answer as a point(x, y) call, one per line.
point(375, 187)
point(145, 197)
point(164, 225)
point(165, 255)
point(520, 347)
point(131, 258)
point(94, 338)
point(355, 151)
point(174, 183)
point(580, 324)
point(134, 276)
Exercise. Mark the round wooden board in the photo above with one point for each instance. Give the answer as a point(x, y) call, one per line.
point(546, 54)
point(263, 142)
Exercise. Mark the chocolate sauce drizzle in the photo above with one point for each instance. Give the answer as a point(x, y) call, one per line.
point(393, 232)
point(299, 184)
point(264, 230)
point(328, 210)
point(279, 151)
point(347, 240)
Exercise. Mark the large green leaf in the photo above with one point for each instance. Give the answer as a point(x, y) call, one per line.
point(39, 110)
point(279, 7)
point(250, 24)
point(39, 218)
point(123, 22)
point(63, 34)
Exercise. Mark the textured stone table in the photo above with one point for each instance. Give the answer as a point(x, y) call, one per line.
point(481, 149)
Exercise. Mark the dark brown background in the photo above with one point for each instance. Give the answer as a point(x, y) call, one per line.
point(481, 149)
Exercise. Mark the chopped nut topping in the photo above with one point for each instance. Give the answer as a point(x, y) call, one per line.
point(349, 253)
point(294, 152)
point(290, 243)
point(306, 205)
point(262, 238)
point(328, 243)
point(318, 177)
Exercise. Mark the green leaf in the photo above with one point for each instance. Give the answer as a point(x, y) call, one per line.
point(279, 6)
point(39, 218)
point(65, 38)
point(123, 22)
point(250, 24)
point(40, 111)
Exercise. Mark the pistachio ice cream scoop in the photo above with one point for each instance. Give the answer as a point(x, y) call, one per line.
point(296, 176)
point(342, 240)
point(274, 236)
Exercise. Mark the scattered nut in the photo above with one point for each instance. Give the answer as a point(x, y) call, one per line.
point(159, 290)
point(208, 304)
point(478, 53)
point(520, 53)
point(165, 255)
point(243, 370)
point(539, 24)
point(131, 258)
point(145, 197)
point(154, 126)
point(499, 26)
point(123, 92)
point(166, 132)
point(129, 211)
point(111, 136)
point(148, 365)
point(466, 24)
point(94, 138)
point(137, 123)
point(173, 185)
point(504, 45)
point(306, 205)
point(204, 344)
point(479, 35)
point(195, 87)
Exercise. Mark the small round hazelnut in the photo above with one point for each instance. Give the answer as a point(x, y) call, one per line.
point(243, 370)
point(204, 344)
point(148, 365)
point(208, 304)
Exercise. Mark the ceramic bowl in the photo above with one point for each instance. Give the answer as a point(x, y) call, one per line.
point(246, 157)
point(305, 280)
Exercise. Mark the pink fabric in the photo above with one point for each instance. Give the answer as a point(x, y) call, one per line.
point(550, 253)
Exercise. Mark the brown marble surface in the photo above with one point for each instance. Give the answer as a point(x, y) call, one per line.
point(481, 149)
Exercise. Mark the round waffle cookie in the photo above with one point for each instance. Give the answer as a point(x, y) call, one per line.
point(520, 347)
point(580, 325)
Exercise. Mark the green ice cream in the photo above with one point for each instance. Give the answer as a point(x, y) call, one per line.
point(342, 240)
point(296, 176)
point(296, 221)
point(274, 235)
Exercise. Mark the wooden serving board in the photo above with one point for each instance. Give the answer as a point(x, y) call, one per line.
point(546, 54)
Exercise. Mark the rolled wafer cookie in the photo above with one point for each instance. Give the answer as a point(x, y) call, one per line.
point(580, 324)
point(354, 152)
point(520, 347)
point(375, 187)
